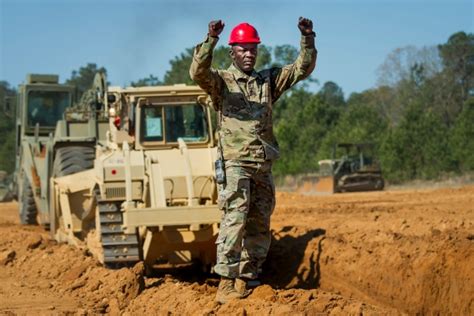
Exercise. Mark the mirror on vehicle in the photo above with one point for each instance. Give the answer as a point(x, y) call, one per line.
point(111, 98)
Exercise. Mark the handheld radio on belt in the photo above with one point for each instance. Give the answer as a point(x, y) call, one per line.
point(219, 163)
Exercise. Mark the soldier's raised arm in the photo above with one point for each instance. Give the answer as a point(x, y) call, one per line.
point(200, 70)
point(287, 76)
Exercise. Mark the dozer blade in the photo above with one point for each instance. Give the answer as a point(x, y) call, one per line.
point(317, 185)
point(324, 185)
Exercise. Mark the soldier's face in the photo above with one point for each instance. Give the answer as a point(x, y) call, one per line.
point(244, 56)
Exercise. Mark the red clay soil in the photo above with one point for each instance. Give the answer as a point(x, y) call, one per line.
point(390, 253)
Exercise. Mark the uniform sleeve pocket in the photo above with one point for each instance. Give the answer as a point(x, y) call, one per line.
point(223, 198)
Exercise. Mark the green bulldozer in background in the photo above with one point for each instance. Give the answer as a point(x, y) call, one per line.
point(356, 169)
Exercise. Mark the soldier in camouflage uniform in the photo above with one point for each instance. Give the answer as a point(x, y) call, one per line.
point(244, 99)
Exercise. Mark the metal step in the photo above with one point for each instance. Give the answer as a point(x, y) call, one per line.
point(129, 259)
point(118, 240)
point(121, 252)
point(111, 229)
point(111, 218)
point(119, 249)
point(108, 207)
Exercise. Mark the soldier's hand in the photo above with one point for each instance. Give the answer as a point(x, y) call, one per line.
point(215, 28)
point(305, 25)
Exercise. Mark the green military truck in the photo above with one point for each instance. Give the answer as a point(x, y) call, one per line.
point(54, 137)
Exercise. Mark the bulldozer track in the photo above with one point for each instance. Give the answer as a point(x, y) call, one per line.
point(119, 249)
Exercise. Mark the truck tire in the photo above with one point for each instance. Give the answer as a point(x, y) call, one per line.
point(28, 210)
point(67, 161)
point(70, 160)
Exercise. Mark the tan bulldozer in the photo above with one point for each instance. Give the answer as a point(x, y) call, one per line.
point(152, 193)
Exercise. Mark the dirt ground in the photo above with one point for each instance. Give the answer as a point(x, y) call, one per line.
point(384, 253)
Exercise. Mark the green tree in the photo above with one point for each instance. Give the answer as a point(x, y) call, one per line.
point(392, 162)
point(381, 99)
point(402, 77)
point(458, 59)
point(417, 147)
point(83, 78)
point(300, 126)
point(179, 72)
point(462, 138)
point(7, 151)
point(5, 91)
point(7, 130)
point(284, 55)
point(332, 94)
point(358, 123)
point(264, 57)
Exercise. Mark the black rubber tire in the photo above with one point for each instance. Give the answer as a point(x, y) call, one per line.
point(28, 210)
point(70, 160)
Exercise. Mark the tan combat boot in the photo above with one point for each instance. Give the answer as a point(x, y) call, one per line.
point(226, 291)
point(242, 288)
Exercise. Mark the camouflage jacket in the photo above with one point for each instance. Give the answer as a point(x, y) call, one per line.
point(245, 102)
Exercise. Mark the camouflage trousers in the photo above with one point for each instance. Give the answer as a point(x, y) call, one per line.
point(247, 201)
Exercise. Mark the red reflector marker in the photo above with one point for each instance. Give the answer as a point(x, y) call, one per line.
point(114, 171)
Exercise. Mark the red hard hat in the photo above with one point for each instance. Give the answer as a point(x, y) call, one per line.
point(244, 33)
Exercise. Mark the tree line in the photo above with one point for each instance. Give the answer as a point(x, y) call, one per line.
point(420, 116)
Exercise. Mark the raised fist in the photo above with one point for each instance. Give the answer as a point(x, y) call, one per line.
point(305, 25)
point(215, 28)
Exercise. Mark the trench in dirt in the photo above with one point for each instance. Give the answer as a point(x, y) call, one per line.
point(410, 250)
point(370, 253)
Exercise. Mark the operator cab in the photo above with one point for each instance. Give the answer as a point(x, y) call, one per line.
point(42, 102)
point(46, 107)
point(167, 123)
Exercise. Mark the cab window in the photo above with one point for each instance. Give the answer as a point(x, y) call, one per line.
point(170, 122)
point(47, 107)
point(153, 127)
point(186, 122)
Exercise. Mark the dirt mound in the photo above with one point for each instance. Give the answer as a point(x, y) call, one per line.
point(61, 276)
point(169, 296)
point(388, 252)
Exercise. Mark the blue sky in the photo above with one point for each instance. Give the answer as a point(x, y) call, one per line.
point(135, 38)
